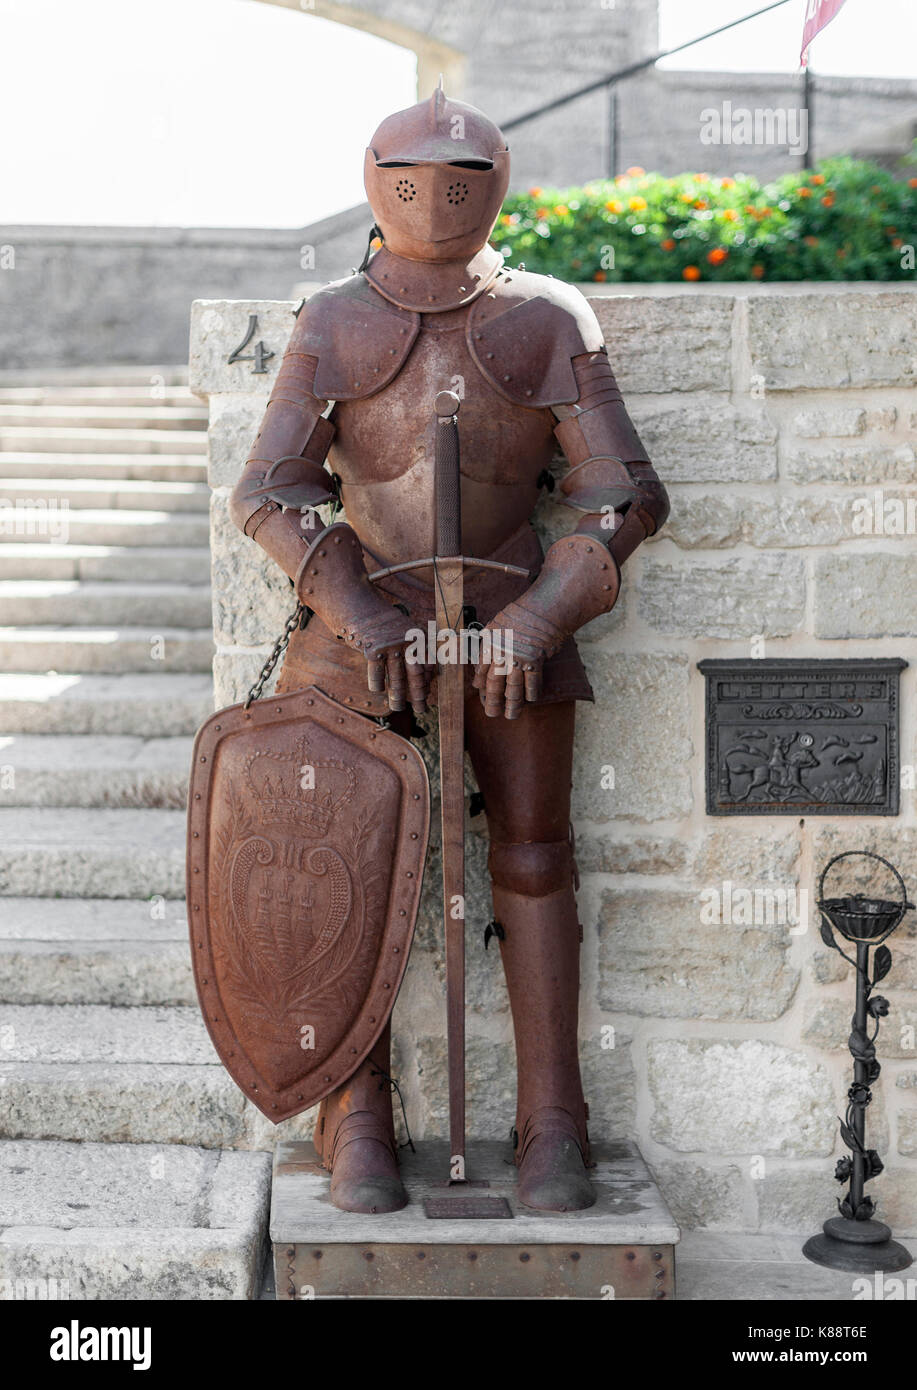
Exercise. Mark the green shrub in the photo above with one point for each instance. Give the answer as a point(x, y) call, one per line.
point(846, 220)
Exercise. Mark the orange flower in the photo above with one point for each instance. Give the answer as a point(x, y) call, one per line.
point(561, 210)
point(818, 178)
point(612, 205)
point(600, 275)
point(718, 255)
point(751, 209)
point(897, 241)
point(690, 272)
point(541, 213)
point(804, 192)
point(634, 172)
point(757, 271)
point(375, 243)
point(506, 220)
point(890, 231)
point(700, 203)
point(912, 183)
point(701, 178)
point(686, 197)
point(535, 192)
point(766, 212)
point(731, 215)
point(828, 200)
point(668, 244)
point(727, 183)
point(810, 240)
point(637, 204)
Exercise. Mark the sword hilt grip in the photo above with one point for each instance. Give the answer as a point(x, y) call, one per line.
point(447, 483)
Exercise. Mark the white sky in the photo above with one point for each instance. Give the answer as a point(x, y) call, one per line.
point(212, 112)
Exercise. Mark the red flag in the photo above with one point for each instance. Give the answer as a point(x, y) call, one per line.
point(818, 14)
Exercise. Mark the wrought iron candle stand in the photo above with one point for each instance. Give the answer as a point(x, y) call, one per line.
point(854, 1240)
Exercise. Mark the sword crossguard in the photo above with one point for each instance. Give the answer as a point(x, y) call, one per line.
point(466, 561)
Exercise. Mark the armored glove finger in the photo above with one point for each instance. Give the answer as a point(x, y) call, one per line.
point(512, 674)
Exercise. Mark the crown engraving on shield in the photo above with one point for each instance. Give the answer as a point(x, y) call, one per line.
point(284, 790)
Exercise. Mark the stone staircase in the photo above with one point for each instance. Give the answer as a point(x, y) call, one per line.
point(116, 1120)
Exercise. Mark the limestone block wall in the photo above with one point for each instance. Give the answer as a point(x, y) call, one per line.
point(719, 1045)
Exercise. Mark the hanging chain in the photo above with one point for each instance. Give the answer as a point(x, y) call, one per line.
point(291, 624)
point(280, 646)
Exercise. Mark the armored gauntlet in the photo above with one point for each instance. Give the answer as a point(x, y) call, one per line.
point(332, 581)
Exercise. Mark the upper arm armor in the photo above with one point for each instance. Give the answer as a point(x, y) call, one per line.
point(609, 465)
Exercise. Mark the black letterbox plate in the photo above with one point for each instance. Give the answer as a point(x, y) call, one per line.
point(792, 737)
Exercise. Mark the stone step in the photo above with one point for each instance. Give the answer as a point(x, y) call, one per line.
point(34, 601)
point(179, 468)
point(150, 705)
point(50, 852)
point(111, 374)
point(94, 951)
point(142, 1074)
point(111, 526)
point(104, 417)
point(133, 494)
point(176, 564)
point(63, 439)
point(93, 770)
point(131, 1221)
point(114, 650)
point(149, 397)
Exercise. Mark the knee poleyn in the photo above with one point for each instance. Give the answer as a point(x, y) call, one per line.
point(533, 869)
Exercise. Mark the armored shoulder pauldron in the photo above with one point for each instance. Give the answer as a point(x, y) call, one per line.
point(524, 333)
point(360, 341)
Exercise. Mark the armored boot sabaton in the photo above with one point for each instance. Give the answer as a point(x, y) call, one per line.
point(540, 947)
point(355, 1139)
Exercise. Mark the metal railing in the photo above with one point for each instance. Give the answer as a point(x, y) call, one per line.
point(608, 83)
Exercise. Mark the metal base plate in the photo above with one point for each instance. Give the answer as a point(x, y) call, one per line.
point(856, 1256)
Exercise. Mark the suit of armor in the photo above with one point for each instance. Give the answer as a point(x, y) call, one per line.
point(350, 419)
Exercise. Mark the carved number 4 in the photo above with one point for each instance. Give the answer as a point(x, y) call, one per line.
point(259, 353)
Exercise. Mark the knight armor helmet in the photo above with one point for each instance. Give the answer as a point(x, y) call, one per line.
point(436, 175)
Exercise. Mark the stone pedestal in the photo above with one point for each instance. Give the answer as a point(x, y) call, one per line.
point(621, 1248)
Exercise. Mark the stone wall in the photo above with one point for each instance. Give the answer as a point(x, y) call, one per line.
point(769, 414)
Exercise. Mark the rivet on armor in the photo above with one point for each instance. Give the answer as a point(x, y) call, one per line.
point(529, 391)
point(507, 377)
point(490, 354)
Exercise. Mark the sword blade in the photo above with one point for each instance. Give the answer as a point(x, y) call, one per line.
point(451, 701)
point(448, 576)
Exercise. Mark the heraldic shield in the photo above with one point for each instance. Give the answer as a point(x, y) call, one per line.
point(307, 833)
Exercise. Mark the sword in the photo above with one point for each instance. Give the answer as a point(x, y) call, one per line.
point(448, 565)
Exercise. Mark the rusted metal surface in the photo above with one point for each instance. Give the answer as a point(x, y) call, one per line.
point(307, 830)
point(477, 1271)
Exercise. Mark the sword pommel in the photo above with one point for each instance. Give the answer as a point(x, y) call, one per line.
point(446, 404)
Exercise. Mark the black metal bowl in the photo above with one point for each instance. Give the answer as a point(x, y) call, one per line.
point(862, 919)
